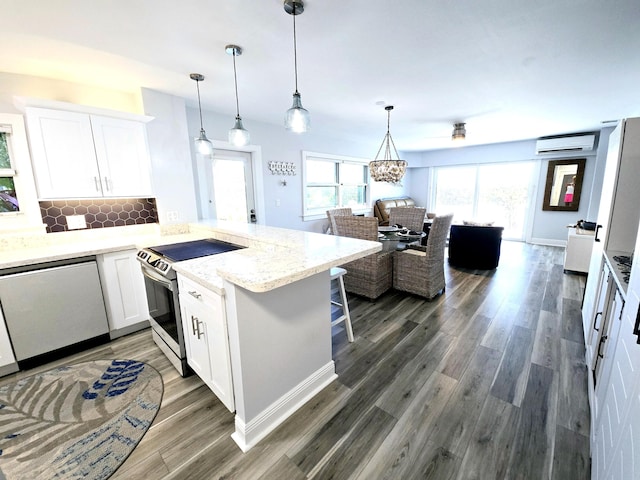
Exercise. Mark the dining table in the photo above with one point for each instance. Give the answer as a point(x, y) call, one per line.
point(396, 238)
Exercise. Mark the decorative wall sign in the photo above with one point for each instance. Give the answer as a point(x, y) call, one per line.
point(282, 168)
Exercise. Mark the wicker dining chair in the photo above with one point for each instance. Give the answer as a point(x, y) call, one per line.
point(372, 275)
point(420, 269)
point(409, 217)
point(335, 213)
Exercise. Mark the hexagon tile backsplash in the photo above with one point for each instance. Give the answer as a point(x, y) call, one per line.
point(98, 213)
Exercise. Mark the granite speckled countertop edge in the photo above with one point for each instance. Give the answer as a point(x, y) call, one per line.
point(274, 257)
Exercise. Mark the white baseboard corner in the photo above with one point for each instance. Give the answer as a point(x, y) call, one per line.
point(549, 242)
point(249, 433)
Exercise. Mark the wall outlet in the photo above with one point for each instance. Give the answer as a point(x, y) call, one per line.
point(76, 222)
point(277, 202)
point(172, 216)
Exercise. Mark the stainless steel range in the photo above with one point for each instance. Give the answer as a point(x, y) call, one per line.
point(162, 292)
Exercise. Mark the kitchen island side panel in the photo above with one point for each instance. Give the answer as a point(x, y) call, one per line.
point(278, 339)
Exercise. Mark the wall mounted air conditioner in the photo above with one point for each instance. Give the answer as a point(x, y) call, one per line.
point(574, 143)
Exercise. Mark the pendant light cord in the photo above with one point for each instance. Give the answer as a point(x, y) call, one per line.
point(388, 140)
point(235, 81)
point(295, 50)
point(199, 106)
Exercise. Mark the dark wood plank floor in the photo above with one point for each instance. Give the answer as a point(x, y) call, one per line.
point(486, 382)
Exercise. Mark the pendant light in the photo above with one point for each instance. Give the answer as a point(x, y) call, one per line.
point(203, 144)
point(238, 135)
point(387, 169)
point(297, 118)
point(459, 132)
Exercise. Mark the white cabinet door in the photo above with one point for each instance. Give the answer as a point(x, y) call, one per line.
point(196, 337)
point(124, 292)
point(593, 328)
point(6, 352)
point(204, 322)
point(123, 156)
point(79, 155)
point(618, 421)
point(63, 154)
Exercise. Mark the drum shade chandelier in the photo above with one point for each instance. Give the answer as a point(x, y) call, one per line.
point(387, 169)
point(203, 144)
point(238, 135)
point(297, 118)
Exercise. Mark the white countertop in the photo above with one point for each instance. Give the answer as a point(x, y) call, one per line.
point(274, 257)
point(17, 251)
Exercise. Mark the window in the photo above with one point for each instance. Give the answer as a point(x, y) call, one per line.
point(497, 193)
point(332, 181)
point(8, 197)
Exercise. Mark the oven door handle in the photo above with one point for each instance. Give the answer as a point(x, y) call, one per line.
point(156, 278)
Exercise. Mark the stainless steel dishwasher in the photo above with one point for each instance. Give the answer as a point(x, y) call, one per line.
point(52, 305)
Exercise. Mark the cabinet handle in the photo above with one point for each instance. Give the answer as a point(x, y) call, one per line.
point(597, 228)
point(200, 334)
point(602, 340)
point(193, 323)
point(195, 294)
point(595, 320)
point(106, 183)
point(97, 184)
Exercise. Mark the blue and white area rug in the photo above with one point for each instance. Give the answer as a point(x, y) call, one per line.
point(78, 421)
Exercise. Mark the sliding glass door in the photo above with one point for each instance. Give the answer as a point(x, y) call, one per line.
point(497, 193)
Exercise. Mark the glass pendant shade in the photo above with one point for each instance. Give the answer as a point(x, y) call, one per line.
point(387, 169)
point(203, 144)
point(297, 118)
point(238, 135)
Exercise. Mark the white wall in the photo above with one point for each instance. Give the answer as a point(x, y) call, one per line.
point(277, 144)
point(171, 166)
point(548, 227)
point(26, 86)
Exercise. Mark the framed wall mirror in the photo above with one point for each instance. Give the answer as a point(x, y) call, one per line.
point(564, 184)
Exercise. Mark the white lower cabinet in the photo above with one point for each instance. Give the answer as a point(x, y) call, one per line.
point(7, 358)
point(204, 324)
point(124, 292)
point(577, 255)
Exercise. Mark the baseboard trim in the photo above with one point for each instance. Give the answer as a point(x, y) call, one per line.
point(250, 433)
point(120, 332)
point(9, 369)
point(549, 242)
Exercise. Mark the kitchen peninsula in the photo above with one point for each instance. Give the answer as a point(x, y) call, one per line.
point(275, 295)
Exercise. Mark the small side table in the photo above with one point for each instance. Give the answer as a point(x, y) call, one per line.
point(577, 255)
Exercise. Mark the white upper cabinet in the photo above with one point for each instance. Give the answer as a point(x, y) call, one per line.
point(123, 156)
point(79, 155)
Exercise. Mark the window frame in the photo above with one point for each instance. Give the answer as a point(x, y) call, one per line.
point(530, 199)
point(10, 172)
point(309, 213)
point(28, 220)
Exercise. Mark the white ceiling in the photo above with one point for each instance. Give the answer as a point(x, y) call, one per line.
point(510, 69)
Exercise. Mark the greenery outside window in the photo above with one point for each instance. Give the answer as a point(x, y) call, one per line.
point(495, 192)
point(333, 181)
point(8, 197)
